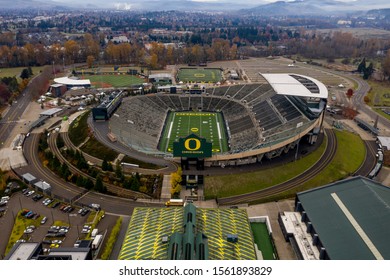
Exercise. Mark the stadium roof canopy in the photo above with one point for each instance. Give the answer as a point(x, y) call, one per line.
point(72, 82)
point(351, 218)
point(296, 85)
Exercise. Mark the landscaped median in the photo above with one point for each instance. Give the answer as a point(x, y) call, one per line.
point(349, 156)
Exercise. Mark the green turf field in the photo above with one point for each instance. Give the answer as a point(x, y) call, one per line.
point(201, 75)
point(204, 124)
point(263, 241)
point(105, 81)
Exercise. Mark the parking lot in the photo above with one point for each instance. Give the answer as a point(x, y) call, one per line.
point(62, 227)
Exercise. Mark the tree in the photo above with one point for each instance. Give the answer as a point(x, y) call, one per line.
point(99, 186)
point(362, 66)
point(366, 99)
point(349, 93)
point(80, 181)
point(25, 74)
point(89, 184)
point(135, 184)
point(176, 182)
point(118, 170)
point(368, 71)
point(90, 61)
point(104, 165)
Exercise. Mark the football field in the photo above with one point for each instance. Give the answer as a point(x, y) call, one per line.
point(199, 75)
point(208, 125)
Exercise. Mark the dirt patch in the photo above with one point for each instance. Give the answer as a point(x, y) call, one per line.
point(101, 85)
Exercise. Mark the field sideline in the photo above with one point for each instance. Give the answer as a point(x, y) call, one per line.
point(208, 125)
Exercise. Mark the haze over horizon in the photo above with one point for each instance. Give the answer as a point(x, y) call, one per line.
point(193, 5)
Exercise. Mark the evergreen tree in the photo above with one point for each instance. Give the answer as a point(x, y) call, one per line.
point(89, 184)
point(135, 184)
point(118, 170)
point(362, 66)
point(25, 74)
point(80, 181)
point(30, 71)
point(99, 186)
point(104, 165)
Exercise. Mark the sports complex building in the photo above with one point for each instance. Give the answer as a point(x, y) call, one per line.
point(346, 220)
point(243, 122)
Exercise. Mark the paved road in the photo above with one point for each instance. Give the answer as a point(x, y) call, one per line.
point(326, 158)
point(12, 118)
point(370, 160)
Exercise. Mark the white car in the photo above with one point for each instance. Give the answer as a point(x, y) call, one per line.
point(30, 193)
point(44, 219)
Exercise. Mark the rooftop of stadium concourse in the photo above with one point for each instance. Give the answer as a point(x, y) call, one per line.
point(296, 85)
point(148, 226)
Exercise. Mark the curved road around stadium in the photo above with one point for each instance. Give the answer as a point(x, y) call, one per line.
point(326, 158)
point(60, 188)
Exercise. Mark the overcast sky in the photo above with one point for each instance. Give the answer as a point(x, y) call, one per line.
point(368, 4)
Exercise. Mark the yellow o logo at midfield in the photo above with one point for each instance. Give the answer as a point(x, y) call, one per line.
point(194, 129)
point(187, 144)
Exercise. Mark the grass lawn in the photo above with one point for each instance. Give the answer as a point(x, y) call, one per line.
point(227, 185)
point(380, 112)
point(78, 130)
point(263, 241)
point(98, 150)
point(18, 230)
point(204, 124)
point(200, 75)
point(379, 94)
point(16, 71)
point(349, 156)
point(104, 81)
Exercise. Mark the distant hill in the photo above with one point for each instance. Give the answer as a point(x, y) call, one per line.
point(308, 7)
point(285, 8)
point(30, 4)
point(380, 13)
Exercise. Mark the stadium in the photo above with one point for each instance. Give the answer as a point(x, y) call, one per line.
point(244, 122)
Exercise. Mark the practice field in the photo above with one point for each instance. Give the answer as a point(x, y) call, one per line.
point(201, 75)
point(204, 124)
point(105, 81)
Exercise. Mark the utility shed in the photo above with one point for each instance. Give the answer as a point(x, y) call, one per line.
point(351, 218)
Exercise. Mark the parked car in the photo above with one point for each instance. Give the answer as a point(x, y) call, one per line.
point(30, 215)
point(37, 197)
point(55, 204)
point(30, 193)
point(44, 219)
point(95, 206)
point(47, 202)
point(24, 212)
